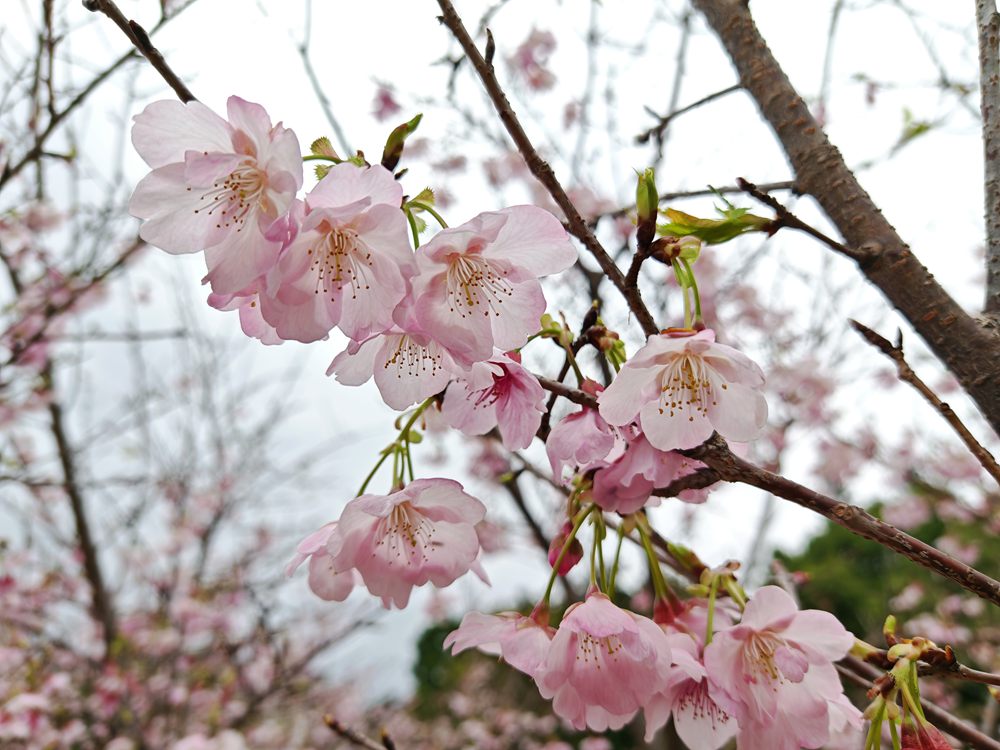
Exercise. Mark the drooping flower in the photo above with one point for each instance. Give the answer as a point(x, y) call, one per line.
point(216, 186)
point(251, 321)
point(477, 285)
point(684, 387)
point(624, 481)
point(573, 553)
point(497, 393)
point(700, 722)
point(408, 364)
point(346, 268)
point(757, 667)
point(325, 580)
point(522, 641)
point(424, 533)
point(603, 665)
point(579, 438)
point(921, 736)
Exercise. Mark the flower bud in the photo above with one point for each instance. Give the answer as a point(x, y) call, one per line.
point(646, 204)
point(923, 737)
point(573, 555)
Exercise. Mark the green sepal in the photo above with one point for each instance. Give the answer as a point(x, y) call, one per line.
point(734, 222)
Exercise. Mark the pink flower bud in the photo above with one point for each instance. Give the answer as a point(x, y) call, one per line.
point(573, 555)
point(925, 737)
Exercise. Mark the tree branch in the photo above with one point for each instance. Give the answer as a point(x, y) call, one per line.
point(988, 25)
point(356, 738)
point(141, 41)
point(967, 348)
point(731, 468)
point(541, 169)
point(906, 374)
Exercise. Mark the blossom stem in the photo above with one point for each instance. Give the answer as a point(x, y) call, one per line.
point(659, 584)
point(618, 554)
point(578, 520)
point(371, 474)
point(431, 211)
point(321, 157)
point(694, 290)
point(599, 534)
point(713, 589)
point(682, 282)
point(413, 229)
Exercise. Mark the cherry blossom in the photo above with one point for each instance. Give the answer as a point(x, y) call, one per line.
point(624, 481)
point(579, 438)
point(216, 186)
point(477, 285)
point(700, 722)
point(604, 664)
point(757, 667)
point(422, 533)
point(497, 393)
point(682, 387)
point(324, 579)
point(346, 267)
point(407, 363)
point(523, 642)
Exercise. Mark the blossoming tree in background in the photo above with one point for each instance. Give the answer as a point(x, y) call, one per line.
point(456, 326)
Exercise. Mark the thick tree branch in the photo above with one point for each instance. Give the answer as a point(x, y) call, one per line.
point(541, 169)
point(988, 25)
point(907, 375)
point(731, 468)
point(969, 349)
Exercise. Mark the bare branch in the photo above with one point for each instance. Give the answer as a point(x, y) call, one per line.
point(572, 394)
point(141, 41)
point(662, 122)
point(906, 374)
point(357, 738)
point(731, 468)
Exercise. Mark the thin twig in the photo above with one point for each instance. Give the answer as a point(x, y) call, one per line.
point(141, 41)
point(572, 394)
point(541, 169)
point(988, 25)
point(787, 219)
point(907, 375)
point(317, 87)
point(665, 120)
point(357, 738)
point(731, 468)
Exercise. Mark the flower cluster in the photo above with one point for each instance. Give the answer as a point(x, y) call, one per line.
point(769, 680)
point(441, 325)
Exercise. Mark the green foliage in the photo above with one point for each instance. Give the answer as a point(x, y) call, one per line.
point(734, 222)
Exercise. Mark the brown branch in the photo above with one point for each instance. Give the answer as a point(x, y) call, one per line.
point(731, 468)
point(988, 25)
point(572, 394)
point(662, 122)
point(907, 375)
point(541, 169)
point(100, 602)
point(968, 349)
point(357, 738)
point(696, 480)
point(787, 219)
point(141, 41)
point(862, 675)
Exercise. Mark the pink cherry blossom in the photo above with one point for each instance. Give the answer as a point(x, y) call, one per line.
point(573, 554)
point(216, 185)
point(757, 668)
point(326, 581)
point(408, 364)
point(700, 722)
point(684, 387)
point(251, 321)
point(624, 481)
point(523, 642)
point(425, 532)
point(579, 438)
point(497, 393)
point(604, 664)
point(347, 265)
point(477, 285)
